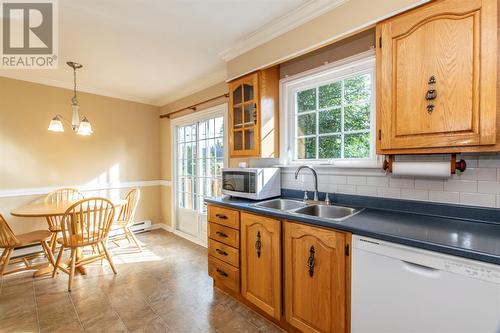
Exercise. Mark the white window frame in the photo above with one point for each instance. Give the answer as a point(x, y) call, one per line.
point(360, 63)
point(215, 111)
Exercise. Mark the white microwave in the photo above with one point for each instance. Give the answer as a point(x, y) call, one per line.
point(251, 183)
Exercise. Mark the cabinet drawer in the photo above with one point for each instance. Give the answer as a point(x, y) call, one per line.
point(224, 274)
point(224, 252)
point(224, 234)
point(227, 217)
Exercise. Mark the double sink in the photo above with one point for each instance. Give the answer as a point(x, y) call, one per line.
point(334, 213)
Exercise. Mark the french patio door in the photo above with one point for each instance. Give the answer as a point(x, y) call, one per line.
point(200, 154)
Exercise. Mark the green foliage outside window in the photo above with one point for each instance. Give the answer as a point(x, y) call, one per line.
point(333, 120)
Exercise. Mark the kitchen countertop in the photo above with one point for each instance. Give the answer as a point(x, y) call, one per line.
point(454, 235)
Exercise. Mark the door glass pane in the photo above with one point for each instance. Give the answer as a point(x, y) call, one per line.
point(237, 95)
point(200, 156)
point(248, 92)
point(249, 135)
point(238, 140)
point(237, 117)
point(249, 112)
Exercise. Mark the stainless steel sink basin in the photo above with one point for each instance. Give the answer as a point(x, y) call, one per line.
point(281, 204)
point(337, 213)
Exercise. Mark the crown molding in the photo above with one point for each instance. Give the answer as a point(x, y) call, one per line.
point(302, 14)
point(194, 87)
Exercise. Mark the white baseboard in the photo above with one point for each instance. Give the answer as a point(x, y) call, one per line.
point(163, 226)
point(190, 238)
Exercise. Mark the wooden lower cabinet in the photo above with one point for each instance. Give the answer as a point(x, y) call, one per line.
point(261, 262)
point(315, 278)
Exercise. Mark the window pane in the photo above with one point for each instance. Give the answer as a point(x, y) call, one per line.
point(306, 124)
point(306, 100)
point(306, 148)
point(357, 145)
point(357, 89)
point(219, 126)
point(357, 117)
point(219, 148)
point(330, 121)
point(180, 133)
point(330, 95)
point(329, 146)
point(202, 130)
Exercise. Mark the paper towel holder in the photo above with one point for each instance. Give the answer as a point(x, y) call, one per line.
point(454, 164)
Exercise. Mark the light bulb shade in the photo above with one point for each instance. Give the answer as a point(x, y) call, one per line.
point(84, 128)
point(56, 125)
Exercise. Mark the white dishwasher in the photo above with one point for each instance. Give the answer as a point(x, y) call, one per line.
point(398, 289)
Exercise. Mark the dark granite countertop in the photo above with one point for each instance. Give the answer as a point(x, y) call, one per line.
point(469, 232)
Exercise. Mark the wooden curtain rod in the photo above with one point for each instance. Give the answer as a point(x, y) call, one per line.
point(193, 107)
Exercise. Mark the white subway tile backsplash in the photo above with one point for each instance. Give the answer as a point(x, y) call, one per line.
point(402, 182)
point(334, 179)
point(378, 181)
point(429, 184)
point(479, 185)
point(326, 187)
point(366, 190)
point(347, 189)
point(414, 194)
point(445, 197)
point(478, 199)
point(356, 180)
point(477, 174)
point(460, 185)
point(489, 161)
point(488, 187)
point(389, 192)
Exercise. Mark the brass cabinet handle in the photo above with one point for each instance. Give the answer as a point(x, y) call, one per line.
point(221, 234)
point(221, 272)
point(221, 216)
point(431, 94)
point(258, 244)
point(310, 261)
point(221, 252)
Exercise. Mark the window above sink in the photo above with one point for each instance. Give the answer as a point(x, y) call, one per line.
point(328, 115)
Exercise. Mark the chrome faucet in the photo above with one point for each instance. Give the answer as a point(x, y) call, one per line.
point(315, 180)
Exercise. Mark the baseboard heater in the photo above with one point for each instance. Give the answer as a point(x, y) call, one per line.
point(137, 228)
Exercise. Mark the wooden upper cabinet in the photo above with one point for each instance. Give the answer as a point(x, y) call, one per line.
point(436, 77)
point(253, 115)
point(315, 278)
point(261, 262)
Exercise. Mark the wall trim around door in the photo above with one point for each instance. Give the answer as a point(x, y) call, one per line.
point(21, 192)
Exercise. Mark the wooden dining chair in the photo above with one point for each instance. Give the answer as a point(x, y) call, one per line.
point(126, 216)
point(85, 224)
point(9, 242)
point(59, 196)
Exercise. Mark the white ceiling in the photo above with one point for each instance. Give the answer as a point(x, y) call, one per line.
point(156, 51)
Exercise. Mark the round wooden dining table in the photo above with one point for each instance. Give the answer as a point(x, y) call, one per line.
point(47, 210)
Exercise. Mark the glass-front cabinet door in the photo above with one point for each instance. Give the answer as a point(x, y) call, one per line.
point(244, 116)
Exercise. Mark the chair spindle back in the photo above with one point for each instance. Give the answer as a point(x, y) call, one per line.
point(7, 237)
point(127, 212)
point(87, 222)
point(60, 196)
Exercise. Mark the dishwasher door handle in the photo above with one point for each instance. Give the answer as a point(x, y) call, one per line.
point(421, 269)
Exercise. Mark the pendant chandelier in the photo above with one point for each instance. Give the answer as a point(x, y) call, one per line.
point(80, 127)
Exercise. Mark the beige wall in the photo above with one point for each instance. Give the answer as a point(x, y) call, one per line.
point(125, 145)
point(345, 20)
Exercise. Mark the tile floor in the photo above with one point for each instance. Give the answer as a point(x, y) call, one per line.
point(163, 289)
